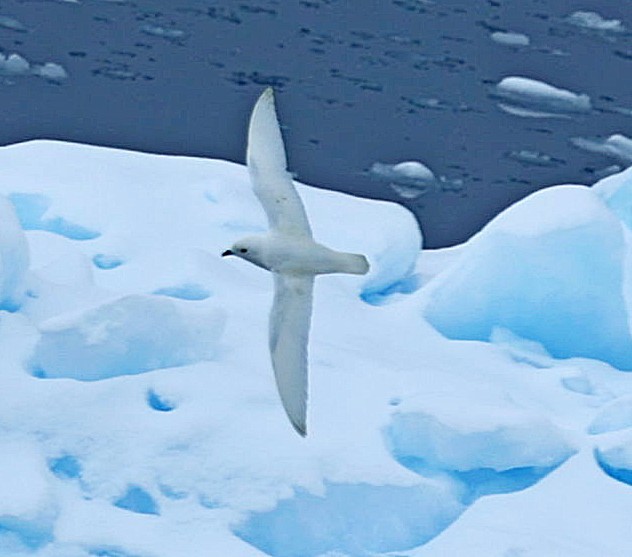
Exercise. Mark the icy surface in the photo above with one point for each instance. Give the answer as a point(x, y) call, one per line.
point(556, 277)
point(468, 401)
point(528, 97)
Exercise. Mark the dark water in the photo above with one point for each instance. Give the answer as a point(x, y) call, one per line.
point(358, 81)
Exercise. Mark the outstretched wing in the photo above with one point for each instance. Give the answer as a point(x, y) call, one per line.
point(289, 330)
point(268, 171)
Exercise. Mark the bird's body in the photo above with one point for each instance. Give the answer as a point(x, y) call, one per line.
point(291, 254)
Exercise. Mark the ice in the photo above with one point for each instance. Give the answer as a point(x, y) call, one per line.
point(352, 519)
point(615, 416)
point(617, 146)
point(466, 401)
point(555, 277)
point(14, 258)
point(510, 38)
point(594, 21)
point(130, 335)
point(410, 179)
point(528, 97)
point(495, 447)
point(14, 64)
point(616, 191)
point(51, 71)
point(11, 23)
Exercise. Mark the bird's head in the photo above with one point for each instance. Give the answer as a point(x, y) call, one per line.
point(249, 248)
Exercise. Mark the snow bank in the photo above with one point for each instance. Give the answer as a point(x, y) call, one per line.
point(551, 269)
point(130, 335)
point(493, 447)
point(523, 96)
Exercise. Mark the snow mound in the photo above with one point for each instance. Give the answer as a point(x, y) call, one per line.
point(352, 519)
point(130, 335)
point(493, 447)
point(616, 191)
point(522, 96)
point(615, 459)
point(551, 269)
point(614, 416)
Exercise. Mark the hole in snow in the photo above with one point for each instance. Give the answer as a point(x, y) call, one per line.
point(17, 533)
point(161, 404)
point(606, 461)
point(355, 519)
point(31, 209)
point(188, 291)
point(66, 467)
point(107, 262)
point(137, 500)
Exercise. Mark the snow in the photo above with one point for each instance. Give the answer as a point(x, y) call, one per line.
point(468, 401)
point(526, 97)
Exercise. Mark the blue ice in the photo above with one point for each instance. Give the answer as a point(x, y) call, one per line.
point(137, 500)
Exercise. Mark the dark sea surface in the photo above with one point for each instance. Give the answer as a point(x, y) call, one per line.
point(358, 82)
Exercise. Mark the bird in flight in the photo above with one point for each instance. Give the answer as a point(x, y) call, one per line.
point(290, 253)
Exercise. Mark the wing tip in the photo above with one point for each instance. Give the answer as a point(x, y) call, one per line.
point(299, 427)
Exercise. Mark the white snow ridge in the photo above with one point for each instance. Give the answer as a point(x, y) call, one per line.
point(470, 401)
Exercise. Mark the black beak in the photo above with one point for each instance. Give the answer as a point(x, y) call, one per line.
point(227, 252)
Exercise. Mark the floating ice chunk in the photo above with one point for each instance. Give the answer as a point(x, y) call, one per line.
point(526, 97)
point(130, 335)
point(617, 146)
point(14, 64)
point(613, 417)
point(549, 268)
point(594, 21)
point(616, 191)
point(534, 158)
point(510, 39)
point(14, 257)
point(51, 71)
point(353, 519)
point(11, 23)
point(410, 179)
point(164, 32)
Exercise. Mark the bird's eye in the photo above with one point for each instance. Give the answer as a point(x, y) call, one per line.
point(243, 250)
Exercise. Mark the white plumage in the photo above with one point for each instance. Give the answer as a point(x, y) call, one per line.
point(289, 252)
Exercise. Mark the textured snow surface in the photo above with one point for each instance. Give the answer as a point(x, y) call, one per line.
point(470, 401)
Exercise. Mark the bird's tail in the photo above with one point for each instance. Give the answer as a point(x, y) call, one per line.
point(354, 264)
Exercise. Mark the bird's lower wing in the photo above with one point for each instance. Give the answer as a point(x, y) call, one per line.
point(267, 165)
point(289, 330)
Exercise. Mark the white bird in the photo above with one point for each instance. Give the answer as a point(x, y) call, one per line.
point(290, 253)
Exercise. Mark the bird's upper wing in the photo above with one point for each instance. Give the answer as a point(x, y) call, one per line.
point(289, 329)
point(268, 171)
